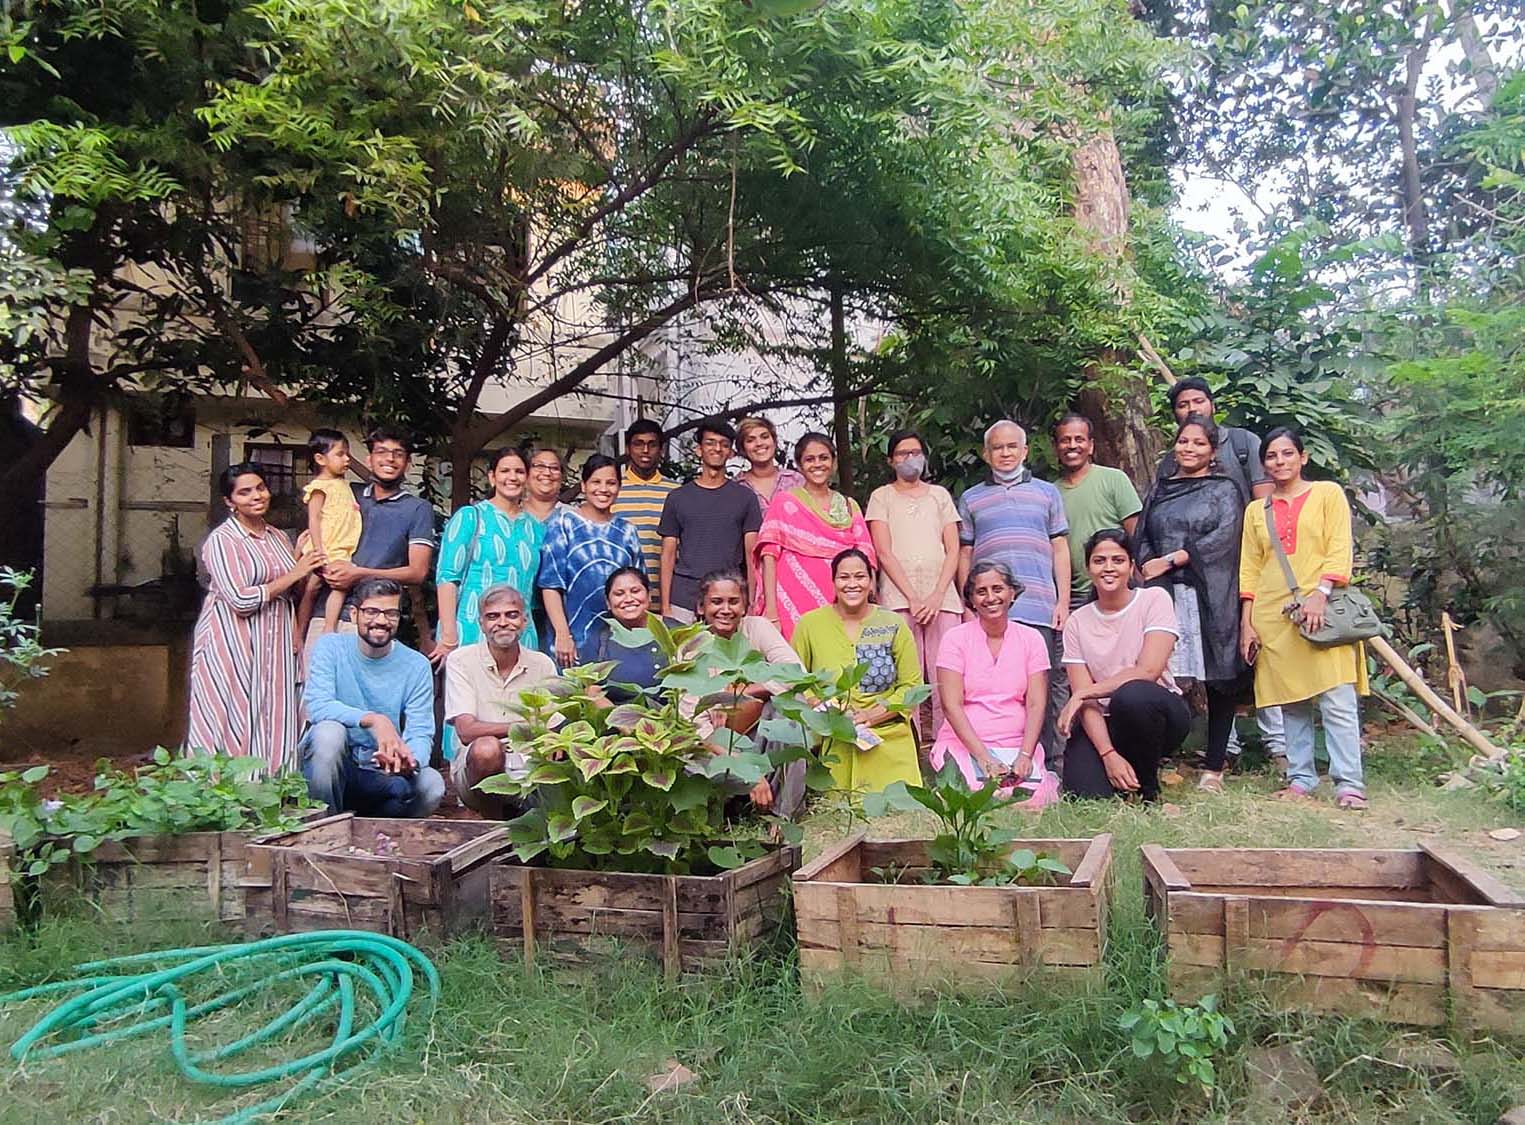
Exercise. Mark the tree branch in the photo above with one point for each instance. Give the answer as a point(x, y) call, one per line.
point(847, 395)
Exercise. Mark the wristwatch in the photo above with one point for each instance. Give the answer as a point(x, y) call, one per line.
point(1325, 589)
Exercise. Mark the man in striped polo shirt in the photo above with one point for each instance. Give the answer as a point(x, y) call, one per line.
point(1020, 521)
point(643, 491)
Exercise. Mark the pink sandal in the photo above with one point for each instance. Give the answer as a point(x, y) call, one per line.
point(1353, 801)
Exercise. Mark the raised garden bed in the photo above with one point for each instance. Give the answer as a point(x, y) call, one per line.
point(187, 877)
point(863, 908)
point(408, 878)
point(1418, 936)
point(686, 920)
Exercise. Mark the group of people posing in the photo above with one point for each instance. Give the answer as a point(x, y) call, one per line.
point(1065, 628)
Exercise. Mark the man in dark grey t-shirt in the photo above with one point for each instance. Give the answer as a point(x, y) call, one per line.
point(707, 524)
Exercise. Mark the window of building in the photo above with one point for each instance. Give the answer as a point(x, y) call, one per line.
point(285, 466)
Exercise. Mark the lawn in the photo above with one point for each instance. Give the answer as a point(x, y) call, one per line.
point(565, 1045)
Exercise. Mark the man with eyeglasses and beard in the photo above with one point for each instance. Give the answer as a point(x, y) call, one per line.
point(370, 700)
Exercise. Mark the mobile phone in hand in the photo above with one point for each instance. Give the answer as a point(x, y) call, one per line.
point(1254, 651)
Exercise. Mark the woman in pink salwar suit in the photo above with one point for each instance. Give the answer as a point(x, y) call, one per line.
point(802, 531)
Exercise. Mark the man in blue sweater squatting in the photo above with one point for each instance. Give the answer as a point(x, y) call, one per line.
point(370, 703)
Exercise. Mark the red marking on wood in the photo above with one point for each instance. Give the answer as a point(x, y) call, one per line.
point(1316, 910)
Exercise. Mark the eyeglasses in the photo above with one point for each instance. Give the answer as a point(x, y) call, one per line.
point(542, 467)
point(715, 443)
point(385, 454)
point(902, 454)
point(380, 614)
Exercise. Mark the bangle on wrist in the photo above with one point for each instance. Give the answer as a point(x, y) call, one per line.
point(1108, 752)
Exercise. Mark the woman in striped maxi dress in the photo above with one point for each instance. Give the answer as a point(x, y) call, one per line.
point(244, 698)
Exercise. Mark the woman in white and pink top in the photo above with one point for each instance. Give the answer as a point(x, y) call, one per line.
point(1125, 712)
point(993, 676)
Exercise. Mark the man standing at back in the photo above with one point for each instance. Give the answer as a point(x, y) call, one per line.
point(708, 524)
point(643, 491)
point(1018, 520)
point(1095, 496)
point(1239, 453)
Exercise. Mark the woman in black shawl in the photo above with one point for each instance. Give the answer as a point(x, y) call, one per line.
point(1188, 542)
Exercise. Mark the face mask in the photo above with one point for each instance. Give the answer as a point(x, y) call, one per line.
point(911, 468)
point(1009, 476)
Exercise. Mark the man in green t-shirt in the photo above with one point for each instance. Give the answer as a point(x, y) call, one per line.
point(1095, 496)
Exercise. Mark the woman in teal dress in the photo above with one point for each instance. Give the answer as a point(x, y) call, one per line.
point(485, 544)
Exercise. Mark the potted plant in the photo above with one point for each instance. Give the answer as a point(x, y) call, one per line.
point(640, 825)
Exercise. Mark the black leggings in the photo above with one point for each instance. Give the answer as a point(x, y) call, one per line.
point(1146, 722)
point(1222, 701)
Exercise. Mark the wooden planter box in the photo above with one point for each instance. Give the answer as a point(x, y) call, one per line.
point(1391, 935)
point(686, 919)
point(188, 877)
point(434, 884)
point(909, 934)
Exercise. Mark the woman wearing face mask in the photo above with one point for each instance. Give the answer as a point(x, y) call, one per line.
point(583, 546)
point(1188, 544)
point(852, 630)
point(914, 526)
point(802, 531)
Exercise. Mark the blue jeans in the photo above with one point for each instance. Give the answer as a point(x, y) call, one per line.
point(1342, 738)
point(344, 785)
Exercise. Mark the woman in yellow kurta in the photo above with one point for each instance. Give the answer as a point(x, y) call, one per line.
point(1313, 524)
point(851, 631)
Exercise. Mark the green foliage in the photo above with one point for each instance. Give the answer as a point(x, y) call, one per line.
point(970, 850)
point(22, 656)
point(1507, 782)
point(1185, 1038)
point(637, 786)
point(174, 795)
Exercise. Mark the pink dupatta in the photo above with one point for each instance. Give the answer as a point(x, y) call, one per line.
point(799, 536)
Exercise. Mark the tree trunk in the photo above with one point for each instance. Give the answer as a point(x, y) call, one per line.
point(840, 420)
point(463, 452)
point(1118, 405)
point(1411, 182)
point(79, 392)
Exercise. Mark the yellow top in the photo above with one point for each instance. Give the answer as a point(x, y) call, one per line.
point(341, 518)
point(1314, 528)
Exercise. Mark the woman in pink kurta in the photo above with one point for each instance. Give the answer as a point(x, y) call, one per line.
point(994, 676)
point(244, 697)
point(802, 531)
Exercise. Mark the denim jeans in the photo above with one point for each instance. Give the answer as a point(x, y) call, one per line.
point(1342, 738)
point(336, 778)
point(1058, 696)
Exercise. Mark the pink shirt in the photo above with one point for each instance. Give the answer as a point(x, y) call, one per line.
point(1106, 643)
point(995, 690)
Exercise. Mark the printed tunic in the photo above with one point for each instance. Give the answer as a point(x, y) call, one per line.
point(243, 695)
point(577, 558)
point(483, 547)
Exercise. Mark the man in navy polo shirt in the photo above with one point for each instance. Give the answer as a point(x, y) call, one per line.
point(396, 528)
point(1019, 520)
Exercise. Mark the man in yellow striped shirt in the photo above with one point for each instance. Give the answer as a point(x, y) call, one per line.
point(643, 491)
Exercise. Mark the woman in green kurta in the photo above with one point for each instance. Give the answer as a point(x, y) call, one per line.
point(851, 631)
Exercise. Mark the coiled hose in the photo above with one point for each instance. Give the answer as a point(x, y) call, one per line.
point(114, 1005)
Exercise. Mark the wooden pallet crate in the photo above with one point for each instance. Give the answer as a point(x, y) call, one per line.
point(329, 876)
point(1417, 936)
point(192, 876)
point(687, 920)
point(862, 908)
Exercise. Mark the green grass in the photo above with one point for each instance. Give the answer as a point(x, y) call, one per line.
point(568, 1045)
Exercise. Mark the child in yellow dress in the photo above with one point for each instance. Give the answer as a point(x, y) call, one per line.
point(333, 525)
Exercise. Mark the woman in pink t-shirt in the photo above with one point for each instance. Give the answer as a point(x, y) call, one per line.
point(1125, 712)
point(992, 674)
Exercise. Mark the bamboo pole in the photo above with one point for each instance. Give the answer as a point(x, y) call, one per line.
point(1415, 683)
point(1404, 711)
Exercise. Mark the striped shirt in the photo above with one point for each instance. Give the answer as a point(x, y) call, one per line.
point(1016, 524)
point(640, 504)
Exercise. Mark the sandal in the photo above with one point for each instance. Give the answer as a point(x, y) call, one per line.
point(1352, 801)
point(1293, 793)
point(1211, 781)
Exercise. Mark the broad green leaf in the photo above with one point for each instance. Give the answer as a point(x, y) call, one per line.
point(659, 778)
point(560, 828)
point(34, 775)
point(586, 806)
point(726, 858)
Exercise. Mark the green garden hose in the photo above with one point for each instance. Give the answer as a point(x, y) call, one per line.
point(111, 1005)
